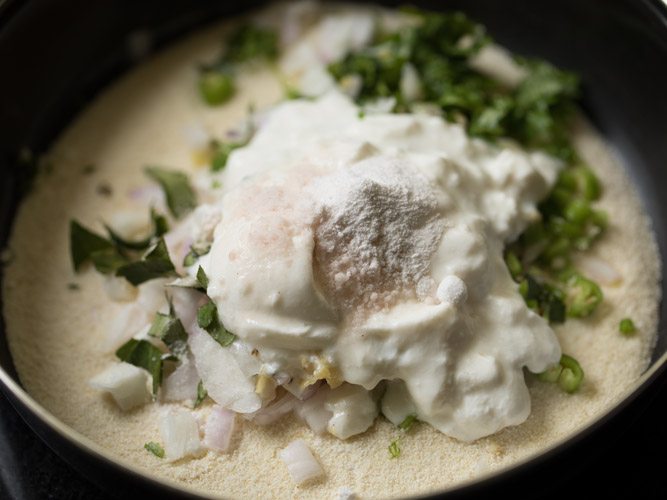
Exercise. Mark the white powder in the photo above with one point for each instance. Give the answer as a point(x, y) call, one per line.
point(377, 230)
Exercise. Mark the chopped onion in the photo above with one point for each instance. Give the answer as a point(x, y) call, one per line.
point(353, 410)
point(196, 137)
point(181, 384)
point(224, 380)
point(313, 412)
point(381, 105)
point(598, 270)
point(131, 225)
point(127, 322)
point(180, 434)
point(151, 297)
point(186, 301)
point(410, 84)
point(219, 429)
point(300, 462)
point(127, 384)
point(275, 410)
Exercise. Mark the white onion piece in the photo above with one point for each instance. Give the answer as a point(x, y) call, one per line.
point(346, 493)
point(127, 384)
point(181, 384)
point(196, 137)
point(131, 225)
point(180, 434)
point(381, 105)
point(219, 429)
point(151, 297)
point(150, 194)
point(314, 413)
point(119, 289)
point(598, 270)
point(224, 380)
point(397, 403)
point(410, 84)
point(353, 409)
point(127, 322)
point(186, 301)
point(275, 410)
point(300, 462)
point(250, 365)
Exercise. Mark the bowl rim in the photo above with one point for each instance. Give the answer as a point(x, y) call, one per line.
point(21, 400)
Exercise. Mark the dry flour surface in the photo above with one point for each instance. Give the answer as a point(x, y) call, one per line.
point(55, 333)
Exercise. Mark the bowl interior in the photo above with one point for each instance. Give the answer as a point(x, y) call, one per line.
point(618, 47)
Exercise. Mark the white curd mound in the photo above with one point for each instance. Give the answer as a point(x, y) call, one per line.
point(353, 229)
point(354, 249)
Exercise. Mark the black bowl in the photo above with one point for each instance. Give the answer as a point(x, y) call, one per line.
point(54, 57)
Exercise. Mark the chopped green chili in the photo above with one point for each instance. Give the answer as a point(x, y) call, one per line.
point(572, 375)
point(247, 43)
point(394, 449)
point(627, 327)
point(568, 374)
point(216, 87)
point(407, 422)
point(155, 449)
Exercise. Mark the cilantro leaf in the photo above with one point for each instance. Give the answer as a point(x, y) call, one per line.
point(84, 243)
point(143, 354)
point(176, 186)
point(169, 329)
point(202, 278)
point(250, 42)
point(155, 264)
point(207, 318)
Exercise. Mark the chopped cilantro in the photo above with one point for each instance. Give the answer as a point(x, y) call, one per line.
point(155, 264)
point(251, 42)
point(169, 329)
point(195, 252)
point(155, 449)
point(176, 186)
point(145, 355)
point(221, 152)
point(202, 279)
point(207, 318)
point(84, 243)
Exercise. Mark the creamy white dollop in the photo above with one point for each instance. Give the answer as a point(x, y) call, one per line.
point(367, 251)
